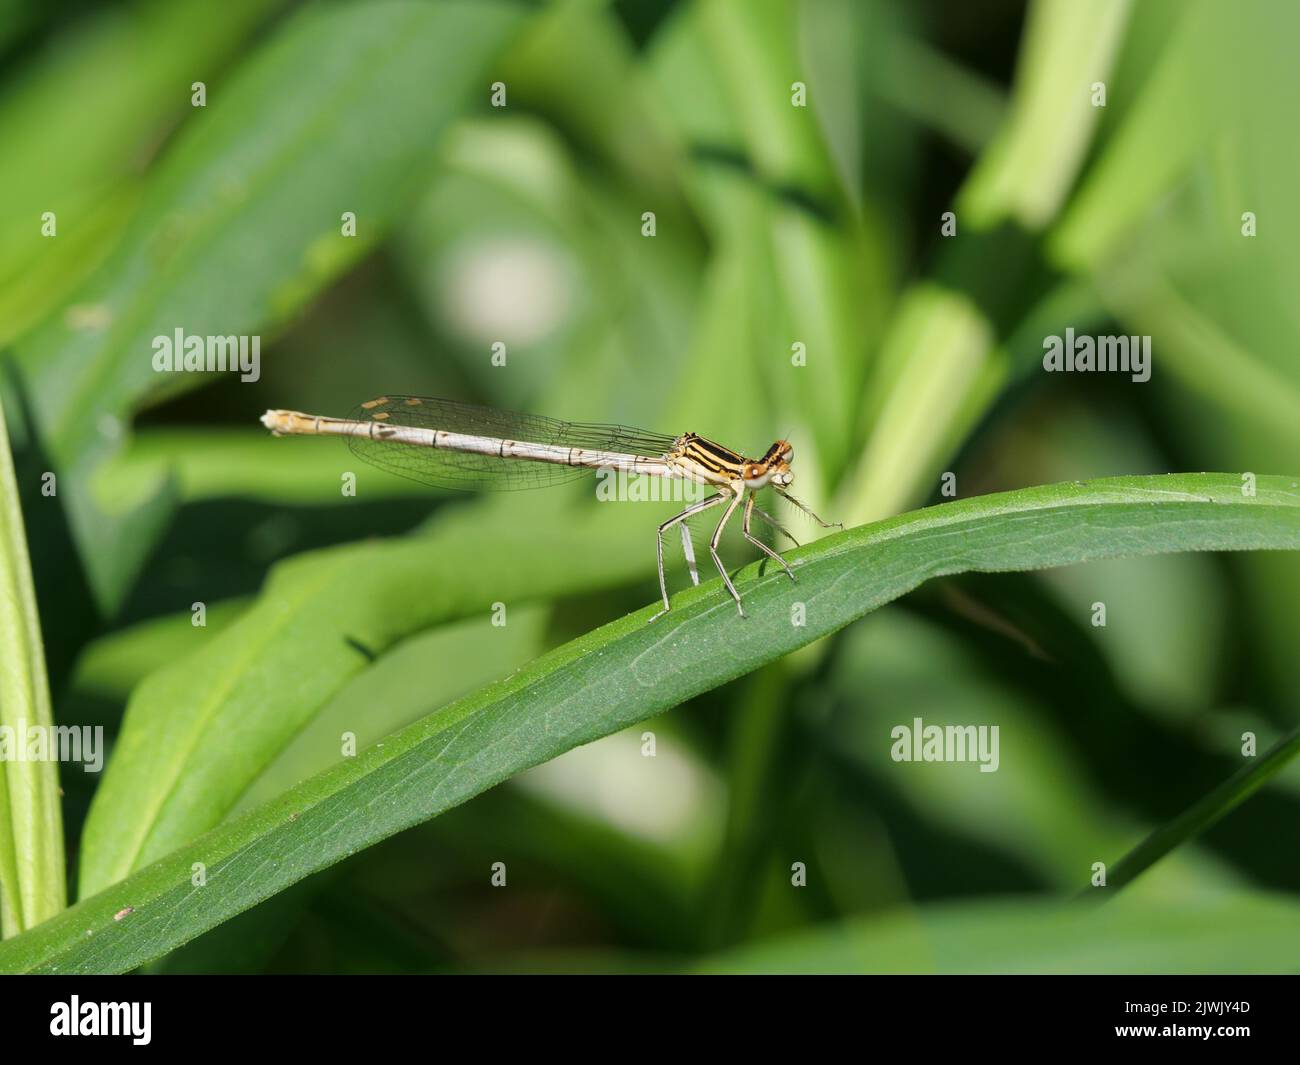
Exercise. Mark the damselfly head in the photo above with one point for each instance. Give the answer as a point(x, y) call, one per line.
point(775, 465)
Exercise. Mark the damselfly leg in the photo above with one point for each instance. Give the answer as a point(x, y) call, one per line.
point(749, 510)
point(808, 510)
point(713, 549)
point(765, 516)
point(688, 550)
point(732, 498)
point(694, 508)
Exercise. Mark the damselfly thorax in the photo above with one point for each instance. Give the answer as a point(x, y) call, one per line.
point(449, 444)
point(705, 462)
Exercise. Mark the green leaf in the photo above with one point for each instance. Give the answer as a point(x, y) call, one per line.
point(1020, 812)
point(1208, 361)
point(938, 371)
point(606, 110)
point(215, 463)
point(75, 150)
point(111, 666)
point(941, 367)
point(32, 887)
point(960, 103)
point(604, 681)
point(1028, 170)
point(1228, 933)
point(830, 291)
point(198, 732)
point(399, 689)
point(754, 50)
point(241, 225)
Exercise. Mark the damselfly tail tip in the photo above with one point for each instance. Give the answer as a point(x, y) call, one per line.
point(274, 420)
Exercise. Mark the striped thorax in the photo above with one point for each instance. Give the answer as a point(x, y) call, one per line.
point(707, 462)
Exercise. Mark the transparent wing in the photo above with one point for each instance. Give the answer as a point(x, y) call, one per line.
point(443, 468)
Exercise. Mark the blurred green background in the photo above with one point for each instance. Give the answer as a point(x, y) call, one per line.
point(775, 225)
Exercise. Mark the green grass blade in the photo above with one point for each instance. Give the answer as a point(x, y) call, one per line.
point(628, 671)
point(32, 885)
point(1202, 814)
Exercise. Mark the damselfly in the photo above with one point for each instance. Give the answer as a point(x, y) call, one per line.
point(448, 444)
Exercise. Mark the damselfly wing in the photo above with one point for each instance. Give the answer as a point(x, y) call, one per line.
point(447, 468)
